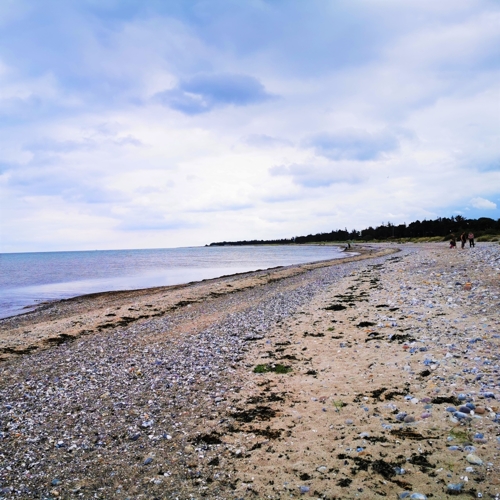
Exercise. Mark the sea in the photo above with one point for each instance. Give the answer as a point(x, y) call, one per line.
point(27, 279)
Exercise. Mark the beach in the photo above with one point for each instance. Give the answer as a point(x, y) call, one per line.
point(373, 376)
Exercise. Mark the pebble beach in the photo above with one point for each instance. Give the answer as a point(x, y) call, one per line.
point(375, 376)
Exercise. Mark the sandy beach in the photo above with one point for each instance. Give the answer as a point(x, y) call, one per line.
point(370, 377)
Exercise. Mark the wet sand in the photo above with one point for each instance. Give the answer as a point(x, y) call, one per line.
point(328, 380)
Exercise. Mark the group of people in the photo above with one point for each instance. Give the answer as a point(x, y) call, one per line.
point(463, 240)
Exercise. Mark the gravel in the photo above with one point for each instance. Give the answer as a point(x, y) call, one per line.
point(136, 411)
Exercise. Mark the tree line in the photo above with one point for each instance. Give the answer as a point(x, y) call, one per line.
point(441, 227)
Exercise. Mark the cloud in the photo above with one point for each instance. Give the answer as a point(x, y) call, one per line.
point(202, 93)
point(223, 207)
point(265, 141)
point(315, 176)
point(160, 224)
point(51, 181)
point(483, 204)
point(85, 144)
point(353, 144)
point(240, 120)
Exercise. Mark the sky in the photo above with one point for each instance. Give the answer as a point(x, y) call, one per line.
point(153, 124)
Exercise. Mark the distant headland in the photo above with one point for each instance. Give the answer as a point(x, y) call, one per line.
point(442, 228)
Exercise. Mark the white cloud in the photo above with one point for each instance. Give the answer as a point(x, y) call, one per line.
point(382, 109)
point(483, 204)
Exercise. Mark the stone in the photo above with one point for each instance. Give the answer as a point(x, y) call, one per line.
point(454, 488)
point(473, 459)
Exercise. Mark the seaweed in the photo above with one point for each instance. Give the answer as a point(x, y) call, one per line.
point(365, 324)
point(277, 368)
point(335, 307)
point(396, 337)
point(344, 482)
point(421, 461)
point(377, 392)
point(439, 400)
point(211, 438)
point(257, 413)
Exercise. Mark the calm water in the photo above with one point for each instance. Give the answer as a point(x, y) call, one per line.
point(29, 278)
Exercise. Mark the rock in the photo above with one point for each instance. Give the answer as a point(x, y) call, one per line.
point(454, 488)
point(253, 337)
point(304, 489)
point(409, 419)
point(148, 461)
point(473, 459)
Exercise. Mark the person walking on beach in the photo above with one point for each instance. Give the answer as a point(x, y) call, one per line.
point(471, 240)
point(463, 239)
point(453, 242)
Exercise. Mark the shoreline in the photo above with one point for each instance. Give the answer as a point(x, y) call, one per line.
point(57, 316)
point(142, 281)
point(323, 380)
